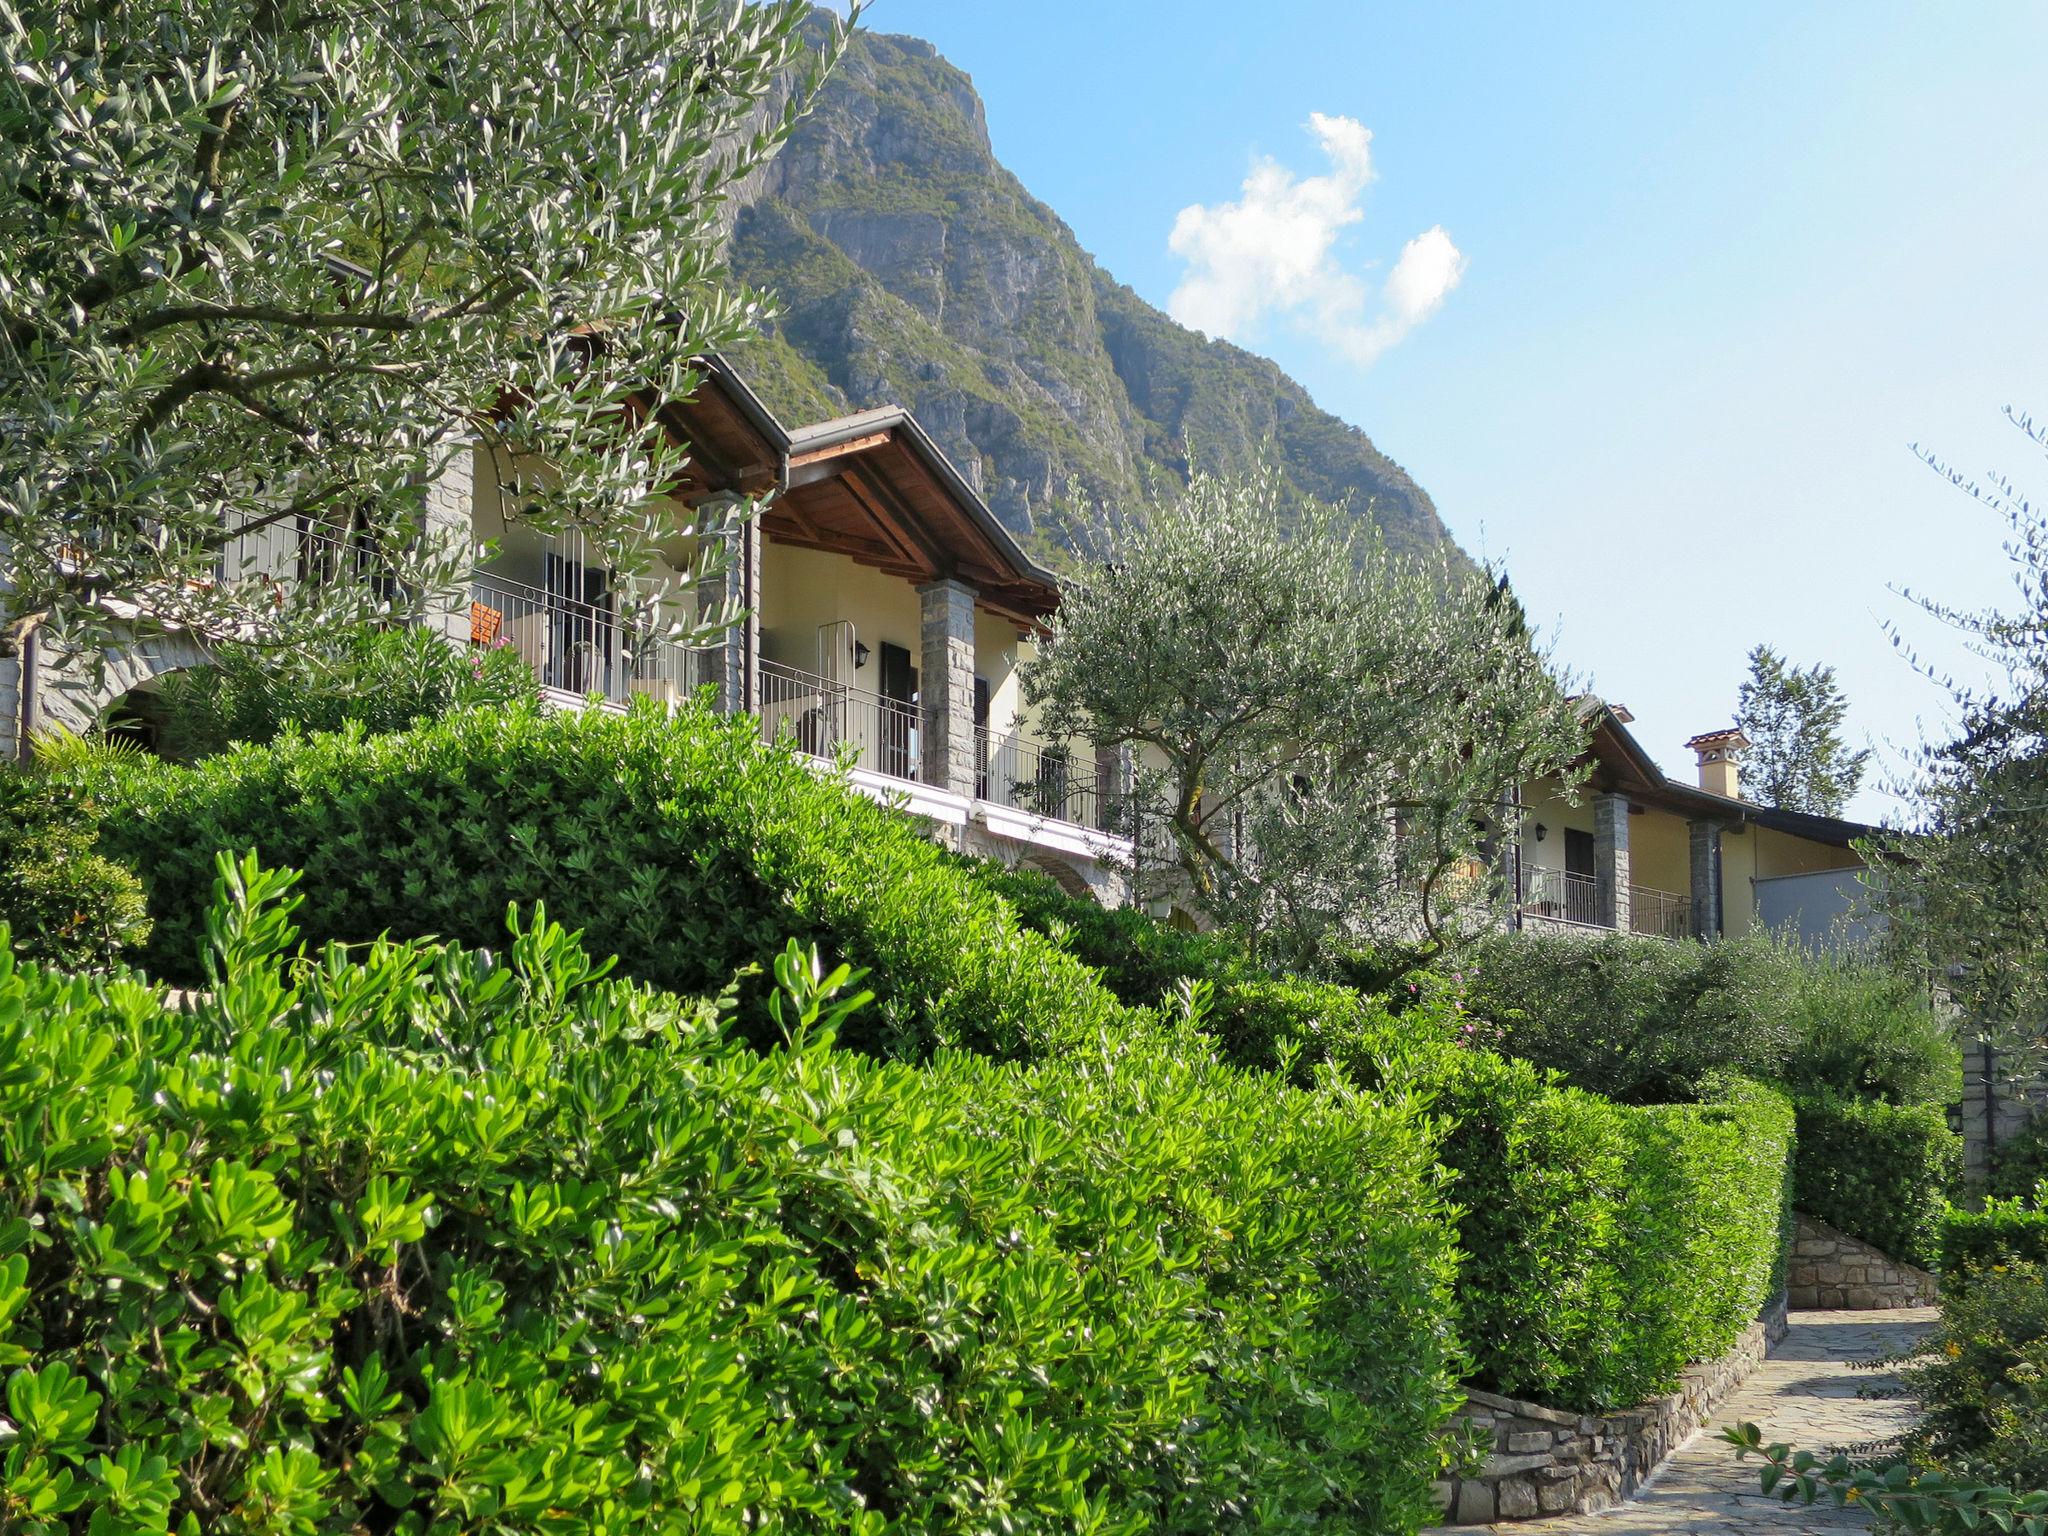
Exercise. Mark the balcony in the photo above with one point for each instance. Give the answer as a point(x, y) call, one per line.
point(1573, 900)
point(830, 719)
point(578, 649)
point(1020, 774)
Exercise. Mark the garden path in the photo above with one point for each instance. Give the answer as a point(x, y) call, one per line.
point(1805, 1393)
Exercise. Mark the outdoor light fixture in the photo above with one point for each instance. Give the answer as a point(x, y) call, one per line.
point(1540, 830)
point(860, 654)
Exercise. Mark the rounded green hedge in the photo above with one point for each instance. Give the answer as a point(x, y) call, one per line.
point(415, 1239)
point(678, 843)
point(1605, 1246)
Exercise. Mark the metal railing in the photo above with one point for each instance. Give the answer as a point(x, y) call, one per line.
point(1026, 775)
point(1565, 897)
point(1660, 913)
point(823, 718)
point(1562, 895)
point(578, 647)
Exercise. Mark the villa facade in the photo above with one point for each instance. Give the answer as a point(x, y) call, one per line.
point(1637, 851)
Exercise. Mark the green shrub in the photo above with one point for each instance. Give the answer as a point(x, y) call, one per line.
point(1982, 1381)
point(380, 679)
point(1880, 1172)
point(2018, 1164)
point(412, 1239)
point(69, 904)
point(677, 843)
point(1646, 1021)
point(1606, 1247)
point(1257, 1019)
point(2004, 1232)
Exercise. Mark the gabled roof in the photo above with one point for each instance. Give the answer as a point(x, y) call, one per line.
point(872, 486)
point(1619, 764)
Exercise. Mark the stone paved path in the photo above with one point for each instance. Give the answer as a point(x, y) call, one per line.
point(1806, 1394)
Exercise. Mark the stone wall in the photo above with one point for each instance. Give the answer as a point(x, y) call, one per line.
point(1544, 1461)
point(2001, 1096)
point(1832, 1269)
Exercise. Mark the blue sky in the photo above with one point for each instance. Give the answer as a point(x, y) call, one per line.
point(1716, 267)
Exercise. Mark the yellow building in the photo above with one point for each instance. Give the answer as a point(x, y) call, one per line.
point(888, 611)
point(1639, 851)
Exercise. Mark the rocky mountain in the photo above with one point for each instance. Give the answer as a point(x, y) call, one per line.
point(914, 269)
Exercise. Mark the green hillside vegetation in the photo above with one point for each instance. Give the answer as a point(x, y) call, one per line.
point(914, 269)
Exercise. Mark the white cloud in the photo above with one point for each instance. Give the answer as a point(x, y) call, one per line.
point(1273, 253)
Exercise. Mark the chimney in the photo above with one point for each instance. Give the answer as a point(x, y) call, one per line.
point(1720, 755)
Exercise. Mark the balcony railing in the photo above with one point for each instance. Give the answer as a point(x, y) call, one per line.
point(1660, 913)
point(580, 648)
point(824, 718)
point(1562, 896)
point(1035, 776)
point(1565, 897)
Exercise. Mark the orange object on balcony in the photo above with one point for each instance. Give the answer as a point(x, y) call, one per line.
point(483, 624)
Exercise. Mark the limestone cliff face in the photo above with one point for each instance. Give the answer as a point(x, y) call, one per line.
point(913, 269)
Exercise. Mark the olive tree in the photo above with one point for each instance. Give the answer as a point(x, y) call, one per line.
point(265, 261)
point(1968, 882)
point(1326, 736)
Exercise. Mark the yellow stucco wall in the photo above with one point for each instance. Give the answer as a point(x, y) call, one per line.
point(1760, 852)
point(1544, 806)
point(1660, 852)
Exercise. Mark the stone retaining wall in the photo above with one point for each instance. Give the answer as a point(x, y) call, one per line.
point(1545, 1461)
point(1832, 1269)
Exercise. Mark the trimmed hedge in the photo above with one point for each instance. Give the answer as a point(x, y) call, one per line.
point(1646, 1021)
point(1881, 1172)
point(2004, 1232)
point(413, 1239)
point(677, 843)
point(68, 903)
point(1606, 1247)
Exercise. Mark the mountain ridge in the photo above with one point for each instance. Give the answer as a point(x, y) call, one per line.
point(913, 268)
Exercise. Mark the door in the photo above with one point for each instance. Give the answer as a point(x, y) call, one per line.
point(899, 710)
point(981, 736)
point(1581, 899)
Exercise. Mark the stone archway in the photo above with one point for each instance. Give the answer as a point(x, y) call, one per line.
point(63, 690)
point(1064, 875)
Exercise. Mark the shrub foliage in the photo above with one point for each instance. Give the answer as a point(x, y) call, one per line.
point(382, 679)
point(1881, 1172)
point(417, 1239)
point(1605, 1246)
point(68, 903)
point(677, 843)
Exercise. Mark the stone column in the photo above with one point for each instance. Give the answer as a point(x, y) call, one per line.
point(1703, 840)
point(946, 685)
point(728, 665)
point(449, 529)
point(1610, 861)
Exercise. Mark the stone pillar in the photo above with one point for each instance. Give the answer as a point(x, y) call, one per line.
point(449, 530)
point(2002, 1095)
point(1610, 861)
point(1704, 857)
point(946, 685)
point(727, 666)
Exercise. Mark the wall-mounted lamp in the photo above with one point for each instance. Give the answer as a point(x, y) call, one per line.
point(860, 654)
point(1540, 830)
